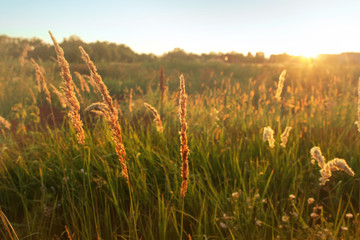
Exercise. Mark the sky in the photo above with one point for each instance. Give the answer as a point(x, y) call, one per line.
point(297, 27)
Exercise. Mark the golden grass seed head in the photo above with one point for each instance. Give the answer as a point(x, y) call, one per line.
point(268, 135)
point(316, 154)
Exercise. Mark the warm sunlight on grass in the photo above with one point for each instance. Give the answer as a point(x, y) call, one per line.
point(306, 52)
point(110, 151)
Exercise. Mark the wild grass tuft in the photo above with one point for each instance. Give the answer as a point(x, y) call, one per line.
point(68, 92)
point(110, 114)
point(184, 149)
point(156, 116)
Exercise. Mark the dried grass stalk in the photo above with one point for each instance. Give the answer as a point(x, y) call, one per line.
point(268, 135)
point(9, 228)
point(97, 112)
point(78, 92)
point(117, 106)
point(99, 82)
point(156, 115)
point(285, 136)
point(60, 96)
point(38, 83)
point(83, 84)
point(40, 79)
point(91, 82)
point(68, 233)
point(109, 112)
point(337, 164)
point(68, 92)
point(32, 96)
point(280, 85)
point(184, 149)
point(97, 106)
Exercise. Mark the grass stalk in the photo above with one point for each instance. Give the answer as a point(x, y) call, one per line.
point(68, 92)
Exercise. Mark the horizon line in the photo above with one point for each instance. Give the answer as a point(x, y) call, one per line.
point(267, 55)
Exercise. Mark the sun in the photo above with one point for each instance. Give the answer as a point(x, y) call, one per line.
point(306, 52)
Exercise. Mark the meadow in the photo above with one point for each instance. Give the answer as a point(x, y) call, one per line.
point(239, 187)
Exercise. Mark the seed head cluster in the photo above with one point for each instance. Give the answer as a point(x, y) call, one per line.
point(109, 111)
point(337, 164)
point(68, 92)
point(268, 135)
point(184, 149)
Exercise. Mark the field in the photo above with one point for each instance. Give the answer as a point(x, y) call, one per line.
point(239, 187)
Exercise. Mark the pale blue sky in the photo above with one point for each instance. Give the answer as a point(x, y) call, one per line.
point(296, 27)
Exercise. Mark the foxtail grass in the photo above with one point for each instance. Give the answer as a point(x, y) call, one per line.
point(280, 85)
point(91, 82)
point(316, 154)
point(78, 92)
point(69, 93)
point(83, 84)
point(184, 149)
point(337, 164)
point(33, 98)
point(117, 106)
point(285, 136)
point(60, 96)
point(109, 112)
point(268, 135)
point(156, 116)
point(40, 79)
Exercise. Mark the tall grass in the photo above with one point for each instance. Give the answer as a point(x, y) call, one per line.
point(238, 187)
point(110, 113)
point(68, 92)
point(184, 149)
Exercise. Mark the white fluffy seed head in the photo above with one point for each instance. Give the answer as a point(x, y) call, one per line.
point(337, 164)
point(268, 135)
point(317, 155)
point(285, 136)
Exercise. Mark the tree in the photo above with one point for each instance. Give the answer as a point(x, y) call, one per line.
point(71, 48)
point(259, 57)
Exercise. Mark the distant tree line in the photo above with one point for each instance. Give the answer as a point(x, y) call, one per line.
point(99, 51)
point(111, 52)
